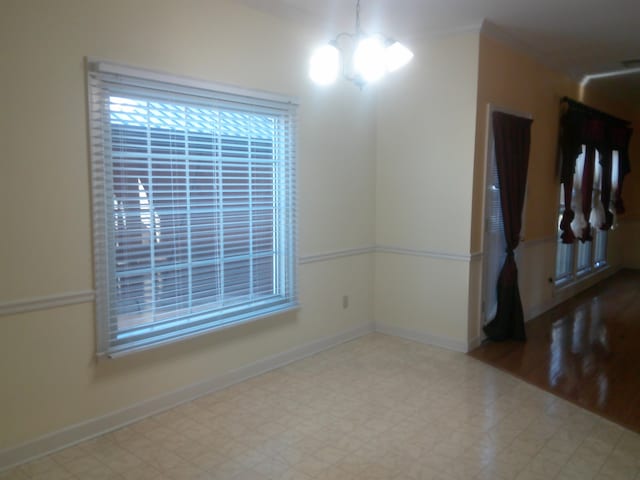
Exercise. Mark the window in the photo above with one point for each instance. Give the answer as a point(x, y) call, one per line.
point(193, 203)
point(495, 244)
point(576, 260)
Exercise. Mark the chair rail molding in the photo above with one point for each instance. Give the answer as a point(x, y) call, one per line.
point(46, 302)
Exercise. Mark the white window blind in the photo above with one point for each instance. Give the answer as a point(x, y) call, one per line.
point(495, 243)
point(193, 204)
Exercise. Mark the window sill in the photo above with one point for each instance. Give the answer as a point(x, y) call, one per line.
point(128, 350)
point(579, 280)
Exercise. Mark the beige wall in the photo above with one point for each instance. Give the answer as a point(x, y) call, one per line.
point(404, 170)
point(515, 81)
point(48, 372)
point(630, 221)
point(425, 144)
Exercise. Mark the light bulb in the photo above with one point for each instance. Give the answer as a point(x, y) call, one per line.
point(397, 56)
point(369, 59)
point(324, 65)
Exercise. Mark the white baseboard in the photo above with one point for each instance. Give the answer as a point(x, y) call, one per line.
point(97, 426)
point(475, 342)
point(564, 294)
point(426, 338)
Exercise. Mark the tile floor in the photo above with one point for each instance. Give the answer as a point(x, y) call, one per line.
point(375, 408)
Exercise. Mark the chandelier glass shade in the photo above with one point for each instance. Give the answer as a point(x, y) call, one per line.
point(360, 58)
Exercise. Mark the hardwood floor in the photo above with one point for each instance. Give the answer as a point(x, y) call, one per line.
point(586, 350)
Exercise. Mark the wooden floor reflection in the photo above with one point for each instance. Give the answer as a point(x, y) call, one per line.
point(586, 350)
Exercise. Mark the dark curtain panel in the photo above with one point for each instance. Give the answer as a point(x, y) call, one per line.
point(570, 147)
point(582, 125)
point(512, 136)
point(605, 189)
point(620, 137)
point(568, 215)
point(587, 191)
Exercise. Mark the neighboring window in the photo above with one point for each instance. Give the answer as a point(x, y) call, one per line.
point(576, 260)
point(495, 244)
point(194, 208)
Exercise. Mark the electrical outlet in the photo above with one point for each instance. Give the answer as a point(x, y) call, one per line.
point(345, 301)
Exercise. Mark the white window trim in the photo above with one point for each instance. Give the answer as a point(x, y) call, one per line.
point(105, 66)
point(101, 201)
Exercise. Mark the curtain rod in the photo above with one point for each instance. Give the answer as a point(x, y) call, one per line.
point(587, 109)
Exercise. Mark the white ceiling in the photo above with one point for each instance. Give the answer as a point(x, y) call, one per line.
point(579, 37)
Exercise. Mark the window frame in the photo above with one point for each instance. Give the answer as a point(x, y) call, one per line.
point(105, 78)
point(574, 252)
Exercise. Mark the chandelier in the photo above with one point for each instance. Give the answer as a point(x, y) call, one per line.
point(360, 57)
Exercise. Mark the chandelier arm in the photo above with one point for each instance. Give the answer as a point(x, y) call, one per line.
point(351, 36)
point(362, 58)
